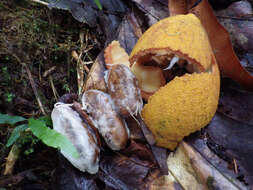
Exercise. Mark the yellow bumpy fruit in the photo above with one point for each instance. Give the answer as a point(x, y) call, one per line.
point(186, 103)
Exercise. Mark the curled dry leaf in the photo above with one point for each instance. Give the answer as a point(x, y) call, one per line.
point(229, 63)
point(177, 7)
point(140, 153)
point(187, 103)
point(122, 172)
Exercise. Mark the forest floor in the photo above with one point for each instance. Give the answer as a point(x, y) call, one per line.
point(36, 39)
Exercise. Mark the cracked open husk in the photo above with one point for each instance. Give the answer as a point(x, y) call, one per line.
point(190, 98)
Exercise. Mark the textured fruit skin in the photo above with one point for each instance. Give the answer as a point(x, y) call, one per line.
point(181, 34)
point(184, 105)
point(187, 103)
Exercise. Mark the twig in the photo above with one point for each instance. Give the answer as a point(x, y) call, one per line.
point(41, 2)
point(49, 71)
point(32, 83)
point(235, 166)
point(34, 88)
point(76, 57)
point(81, 66)
point(56, 96)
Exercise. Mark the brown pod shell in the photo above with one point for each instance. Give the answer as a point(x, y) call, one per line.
point(100, 108)
point(123, 88)
point(68, 122)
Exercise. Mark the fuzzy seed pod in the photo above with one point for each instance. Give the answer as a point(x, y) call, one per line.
point(100, 108)
point(68, 122)
point(123, 88)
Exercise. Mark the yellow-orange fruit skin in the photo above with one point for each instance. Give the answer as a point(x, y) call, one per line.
point(181, 34)
point(184, 105)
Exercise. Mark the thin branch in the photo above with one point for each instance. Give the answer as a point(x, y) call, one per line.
point(41, 2)
point(32, 83)
point(34, 88)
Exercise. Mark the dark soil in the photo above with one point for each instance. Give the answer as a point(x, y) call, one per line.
point(41, 38)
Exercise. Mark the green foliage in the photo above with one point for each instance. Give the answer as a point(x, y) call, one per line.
point(47, 120)
point(9, 96)
point(40, 129)
point(51, 138)
point(11, 120)
point(16, 134)
point(98, 4)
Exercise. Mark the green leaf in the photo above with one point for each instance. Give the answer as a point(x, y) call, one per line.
point(51, 137)
point(47, 120)
point(9, 119)
point(98, 4)
point(16, 134)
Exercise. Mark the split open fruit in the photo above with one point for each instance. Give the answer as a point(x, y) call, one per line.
point(176, 51)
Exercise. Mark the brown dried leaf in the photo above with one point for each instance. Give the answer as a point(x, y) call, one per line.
point(228, 62)
point(236, 140)
point(155, 10)
point(66, 177)
point(235, 103)
point(237, 20)
point(121, 172)
point(207, 173)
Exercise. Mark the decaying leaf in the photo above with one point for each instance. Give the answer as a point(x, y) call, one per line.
point(238, 22)
point(167, 182)
point(193, 171)
point(236, 104)
point(122, 172)
point(68, 177)
point(200, 142)
point(236, 139)
point(228, 62)
point(208, 174)
point(179, 165)
point(155, 10)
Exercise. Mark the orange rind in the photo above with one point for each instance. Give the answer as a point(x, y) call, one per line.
point(115, 54)
point(189, 100)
